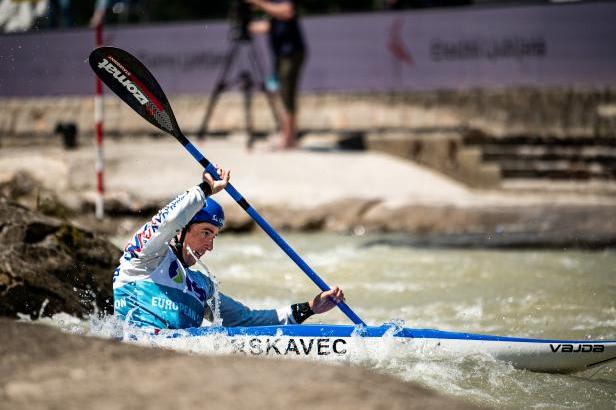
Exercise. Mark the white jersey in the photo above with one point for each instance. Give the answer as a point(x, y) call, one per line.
point(152, 288)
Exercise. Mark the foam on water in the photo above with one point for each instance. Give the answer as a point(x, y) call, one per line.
point(475, 377)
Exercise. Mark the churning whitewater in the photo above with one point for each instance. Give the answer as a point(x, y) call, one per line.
point(491, 292)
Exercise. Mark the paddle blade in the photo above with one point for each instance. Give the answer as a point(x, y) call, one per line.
point(133, 83)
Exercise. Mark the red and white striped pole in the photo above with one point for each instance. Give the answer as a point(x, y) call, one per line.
point(98, 120)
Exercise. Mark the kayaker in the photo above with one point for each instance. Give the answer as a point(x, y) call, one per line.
point(154, 286)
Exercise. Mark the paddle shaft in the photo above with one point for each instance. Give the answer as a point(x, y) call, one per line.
point(207, 165)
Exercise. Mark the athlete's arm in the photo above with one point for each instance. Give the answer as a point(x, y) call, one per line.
point(234, 313)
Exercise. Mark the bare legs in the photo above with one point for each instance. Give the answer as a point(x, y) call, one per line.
point(288, 131)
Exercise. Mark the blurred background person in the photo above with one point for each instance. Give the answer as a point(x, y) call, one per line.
point(289, 53)
point(123, 11)
point(21, 15)
point(59, 15)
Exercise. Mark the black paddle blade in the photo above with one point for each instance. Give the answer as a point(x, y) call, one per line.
point(133, 83)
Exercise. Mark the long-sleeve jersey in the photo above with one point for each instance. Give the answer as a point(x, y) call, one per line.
point(152, 288)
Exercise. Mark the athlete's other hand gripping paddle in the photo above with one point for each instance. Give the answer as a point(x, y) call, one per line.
point(136, 86)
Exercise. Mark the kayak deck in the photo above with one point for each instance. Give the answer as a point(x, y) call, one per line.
point(547, 355)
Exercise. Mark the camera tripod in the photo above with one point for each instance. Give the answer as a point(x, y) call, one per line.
point(247, 83)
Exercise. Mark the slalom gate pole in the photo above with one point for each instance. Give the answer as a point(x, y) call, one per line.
point(98, 121)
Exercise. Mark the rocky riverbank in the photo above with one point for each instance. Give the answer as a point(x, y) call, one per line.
point(48, 266)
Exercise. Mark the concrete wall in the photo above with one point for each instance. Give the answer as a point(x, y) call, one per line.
point(517, 111)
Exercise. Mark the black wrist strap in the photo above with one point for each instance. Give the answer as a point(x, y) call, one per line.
point(206, 188)
point(301, 312)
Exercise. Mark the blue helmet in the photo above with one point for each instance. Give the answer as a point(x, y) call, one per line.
point(211, 213)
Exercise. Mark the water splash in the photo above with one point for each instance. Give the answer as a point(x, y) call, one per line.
point(214, 301)
point(530, 294)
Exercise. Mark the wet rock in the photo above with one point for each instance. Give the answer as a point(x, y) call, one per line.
point(42, 368)
point(49, 266)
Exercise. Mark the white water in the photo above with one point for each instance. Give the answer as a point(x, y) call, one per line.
point(214, 301)
point(564, 294)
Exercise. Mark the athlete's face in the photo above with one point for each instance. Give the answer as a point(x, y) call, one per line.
point(200, 239)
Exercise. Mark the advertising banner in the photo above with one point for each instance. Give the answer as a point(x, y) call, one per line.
point(461, 48)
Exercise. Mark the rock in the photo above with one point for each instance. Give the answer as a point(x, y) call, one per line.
point(237, 220)
point(119, 203)
point(291, 219)
point(508, 227)
point(417, 219)
point(49, 266)
point(523, 227)
point(23, 188)
point(345, 215)
point(42, 368)
point(20, 184)
point(338, 216)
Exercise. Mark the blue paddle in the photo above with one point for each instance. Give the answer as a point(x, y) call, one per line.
point(136, 86)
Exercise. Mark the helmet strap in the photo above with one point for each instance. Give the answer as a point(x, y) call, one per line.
point(178, 245)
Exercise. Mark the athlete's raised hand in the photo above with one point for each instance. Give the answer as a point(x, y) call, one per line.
point(219, 185)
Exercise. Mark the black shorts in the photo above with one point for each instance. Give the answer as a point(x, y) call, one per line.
point(288, 69)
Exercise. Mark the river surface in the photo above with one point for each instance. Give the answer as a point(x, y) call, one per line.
point(547, 294)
